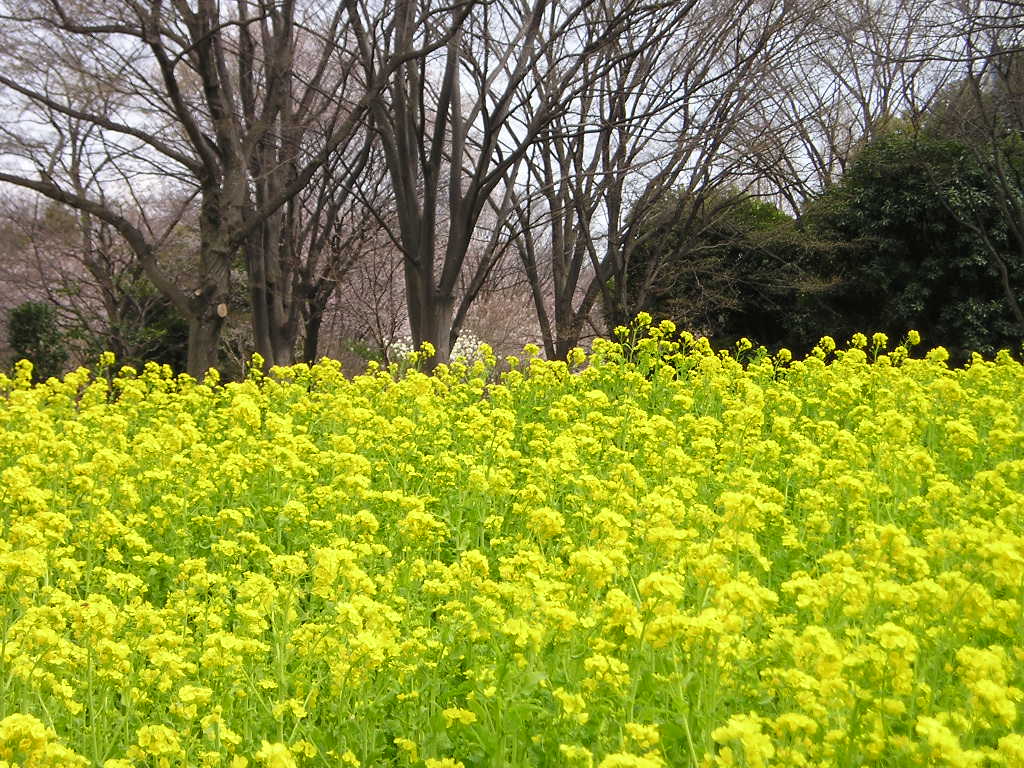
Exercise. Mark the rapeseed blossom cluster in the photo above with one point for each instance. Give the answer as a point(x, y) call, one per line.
point(649, 555)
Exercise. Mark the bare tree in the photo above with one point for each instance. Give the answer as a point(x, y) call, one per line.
point(858, 65)
point(235, 105)
point(660, 115)
point(341, 217)
point(456, 126)
point(370, 314)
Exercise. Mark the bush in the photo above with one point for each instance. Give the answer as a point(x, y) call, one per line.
point(34, 335)
point(907, 217)
point(727, 267)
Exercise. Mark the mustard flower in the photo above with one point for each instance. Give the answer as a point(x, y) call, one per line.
point(275, 755)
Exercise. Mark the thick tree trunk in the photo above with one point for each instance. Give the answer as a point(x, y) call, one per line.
point(258, 298)
point(564, 339)
point(569, 321)
point(208, 306)
point(203, 344)
point(275, 341)
point(273, 325)
point(316, 301)
point(433, 323)
point(562, 347)
point(311, 344)
point(283, 345)
point(274, 337)
point(430, 317)
point(441, 327)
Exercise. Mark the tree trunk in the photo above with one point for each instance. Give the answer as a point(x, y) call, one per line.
point(433, 324)
point(274, 327)
point(258, 299)
point(208, 306)
point(430, 316)
point(203, 344)
point(311, 344)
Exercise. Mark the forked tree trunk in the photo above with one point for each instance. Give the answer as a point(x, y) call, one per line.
point(430, 317)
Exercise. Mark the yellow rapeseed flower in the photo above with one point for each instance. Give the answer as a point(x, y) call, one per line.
point(275, 755)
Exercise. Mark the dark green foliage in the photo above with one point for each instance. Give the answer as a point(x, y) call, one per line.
point(152, 329)
point(912, 215)
point(730, 267)
point(34, 335)
point(918, 234)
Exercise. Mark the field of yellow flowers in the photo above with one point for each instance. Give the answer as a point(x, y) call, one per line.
point(653, 555)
